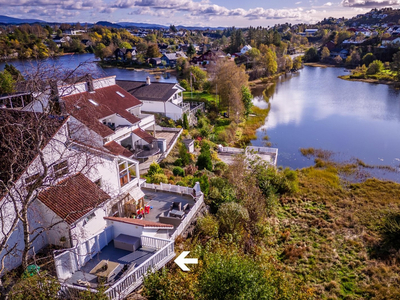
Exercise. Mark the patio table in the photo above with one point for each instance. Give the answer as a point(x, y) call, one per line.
point(103, 274)
point(176, 213)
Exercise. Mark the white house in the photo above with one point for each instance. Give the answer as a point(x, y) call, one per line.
point(158, 97)
point(113, 115)
point(79, 184)
point(245, 49)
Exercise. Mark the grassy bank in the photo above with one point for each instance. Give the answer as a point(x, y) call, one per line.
point(369, 79)
point(326, 239)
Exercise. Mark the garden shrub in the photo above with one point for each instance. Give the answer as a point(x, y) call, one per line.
point(208, 225)
point(178, 171)
point(159, 178)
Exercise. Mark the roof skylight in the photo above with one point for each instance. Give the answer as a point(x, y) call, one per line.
point(122, 95)
point(93, 102)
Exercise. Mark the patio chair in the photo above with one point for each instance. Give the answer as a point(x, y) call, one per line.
point(185, 207)
point(176, 206)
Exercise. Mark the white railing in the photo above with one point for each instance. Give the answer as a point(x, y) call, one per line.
point(198, 107)
point(230, 150)
point(188, 218)
point(184, 106)
point(261, 150)
point(151, 242)
point(273, 152)
point(135, 278)
point(132, 280)
point(169, 188)
point(146, 120)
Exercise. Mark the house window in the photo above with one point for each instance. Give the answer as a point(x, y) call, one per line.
point(60, 169)
point(127, 172)
point(98, 182)
point(31, 179)
point(88, 218)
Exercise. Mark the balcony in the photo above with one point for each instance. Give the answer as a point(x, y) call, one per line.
point(185, 107)
point(146, 120)
point(75, 266)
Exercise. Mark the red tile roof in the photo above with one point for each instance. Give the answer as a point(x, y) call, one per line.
point(109, 103)
point(117, 149)
point(139, 222)
point(144, 135)
point(73, 197)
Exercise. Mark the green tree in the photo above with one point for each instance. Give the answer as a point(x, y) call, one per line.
point(199, 77)
point(325, 54)
point(7, 83)
point(204, 160)
point(375, 67)
point(99, 51)
point(311, 55)
point(125, 45)
point(297, 62)
point(185, 121)
point(368, 58)
point(395, 65)
point(232, 217)
point(15, 73)
point(155, 169)
point(184, 155)
point(246, 98)
point(230, 276)
point(191, 50)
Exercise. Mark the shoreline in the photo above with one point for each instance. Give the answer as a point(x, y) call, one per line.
point(368, 80)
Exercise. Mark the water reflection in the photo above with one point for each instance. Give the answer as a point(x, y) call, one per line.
point(317, 109)
point(87, 63)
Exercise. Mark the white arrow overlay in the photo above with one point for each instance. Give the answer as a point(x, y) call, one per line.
point(181, 261)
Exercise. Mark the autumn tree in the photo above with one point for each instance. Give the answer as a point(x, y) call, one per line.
point(153, 51)
point(229, 80)
point(198, 77)
point(395, 65)
point(325, 54)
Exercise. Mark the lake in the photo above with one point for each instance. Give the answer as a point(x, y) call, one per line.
point(314, 108)
point(87, 62)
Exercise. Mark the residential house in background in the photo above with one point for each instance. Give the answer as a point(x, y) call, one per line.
point(245, 49)
point(158, 97)
point(210, 56)
point(121, 53)
point(113, 115)
point(171, 58)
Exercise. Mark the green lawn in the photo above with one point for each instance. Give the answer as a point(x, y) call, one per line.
point(197, 95)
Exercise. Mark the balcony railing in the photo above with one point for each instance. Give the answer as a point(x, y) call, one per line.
point(70, 261)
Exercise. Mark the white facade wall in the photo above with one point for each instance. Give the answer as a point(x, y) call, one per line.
point(153, 106)
point(173, 111)
point(83, 229)
point(131, 229)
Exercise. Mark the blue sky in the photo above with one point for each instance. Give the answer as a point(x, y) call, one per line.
point(190, 12)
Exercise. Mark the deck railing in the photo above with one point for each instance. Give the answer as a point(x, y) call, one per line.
point(169, 188)
point(230, 150)
point(188, 218)
point(134, 279)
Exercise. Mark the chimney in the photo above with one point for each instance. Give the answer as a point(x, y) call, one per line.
point(89, 82)
point(148, 80)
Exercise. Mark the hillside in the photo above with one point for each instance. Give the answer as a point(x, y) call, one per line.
point(10, 20)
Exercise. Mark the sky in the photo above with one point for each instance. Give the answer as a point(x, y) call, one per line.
point(208, 13)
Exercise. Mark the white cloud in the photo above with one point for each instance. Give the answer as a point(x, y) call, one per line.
point(369, 3)
point(328, 4)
